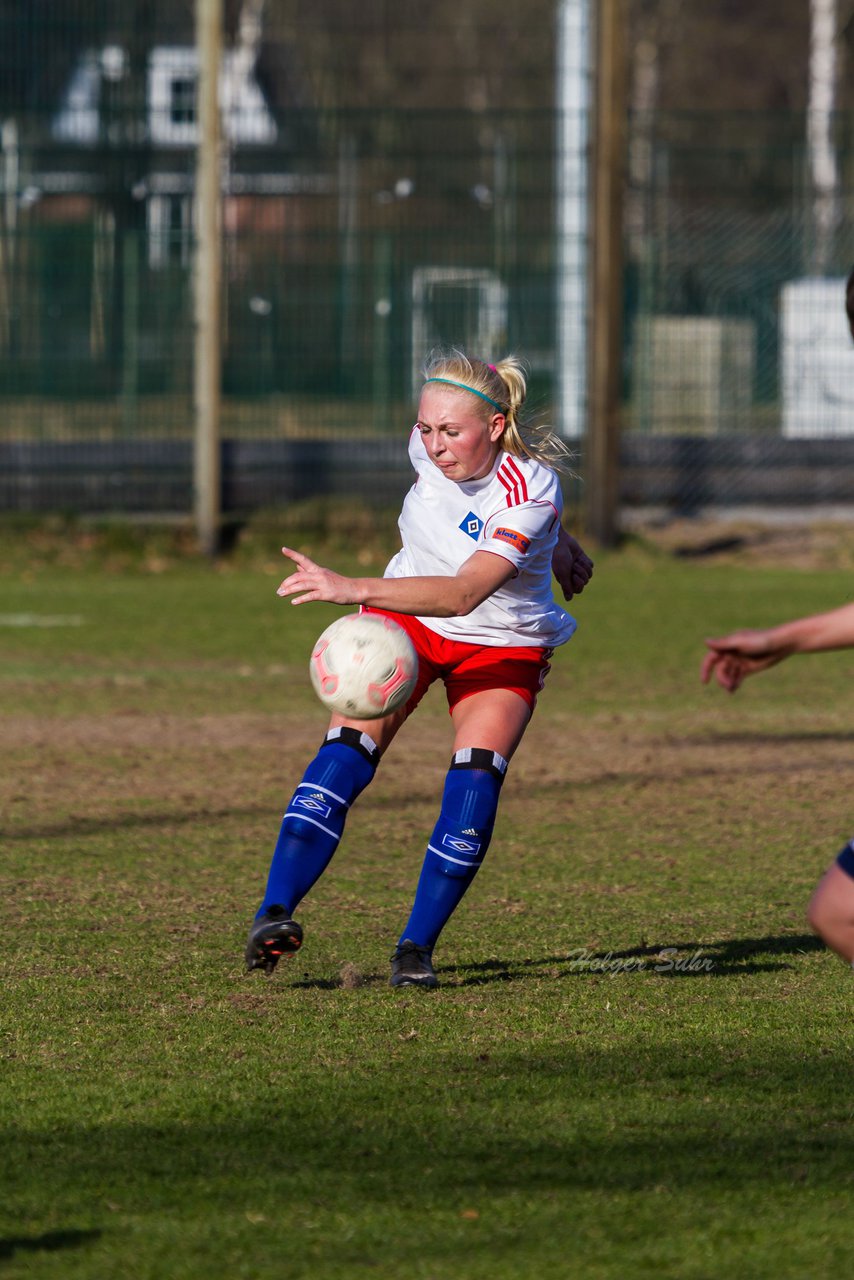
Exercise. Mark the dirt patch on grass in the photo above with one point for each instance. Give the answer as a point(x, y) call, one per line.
point(793, 544)
point(68, 774)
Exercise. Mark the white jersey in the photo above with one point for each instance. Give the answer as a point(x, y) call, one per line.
point(514, 512)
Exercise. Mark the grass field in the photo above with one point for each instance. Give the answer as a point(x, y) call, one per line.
point(639, 1061)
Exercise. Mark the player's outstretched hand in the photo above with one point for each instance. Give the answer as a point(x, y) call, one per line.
point(311, 581)
point(731, 659)
point(571, 565)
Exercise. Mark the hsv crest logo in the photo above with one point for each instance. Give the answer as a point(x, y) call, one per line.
point(472, 525)
point(517, 540)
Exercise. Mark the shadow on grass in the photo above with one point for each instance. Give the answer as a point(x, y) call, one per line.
point(701, 772)
point(85, 826)
point(741, 956)
point(523, 1120)
point(49, 1242)
point(751, 739)
point(738, 956)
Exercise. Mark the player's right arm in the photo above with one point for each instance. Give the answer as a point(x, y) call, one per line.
point(435, 596)
point(745, 653)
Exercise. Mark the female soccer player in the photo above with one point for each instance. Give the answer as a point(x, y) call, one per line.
point(472, 587)
point(745, 653)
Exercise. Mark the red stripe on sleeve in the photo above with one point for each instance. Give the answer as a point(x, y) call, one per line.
point(515, 469)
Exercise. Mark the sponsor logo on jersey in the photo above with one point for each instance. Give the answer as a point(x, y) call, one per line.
point(472, 525)
point(517, 540)
point(458, 845)
point(314, 804)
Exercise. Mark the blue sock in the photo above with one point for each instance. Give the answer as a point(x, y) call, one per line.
point(459, 841)
point(314, 820)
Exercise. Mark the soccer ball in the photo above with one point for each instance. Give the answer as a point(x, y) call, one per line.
point(363, 665)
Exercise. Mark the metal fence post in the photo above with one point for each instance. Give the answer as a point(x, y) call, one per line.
point(207, 280)
point(573, 73)
point(606, 276)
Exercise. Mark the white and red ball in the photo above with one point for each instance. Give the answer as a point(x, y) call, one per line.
point(364, 666)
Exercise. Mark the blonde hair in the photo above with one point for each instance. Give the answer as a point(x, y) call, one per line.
point(503, 385)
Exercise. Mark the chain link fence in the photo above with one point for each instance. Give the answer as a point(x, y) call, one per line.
point(739, 385)
point(356, 241)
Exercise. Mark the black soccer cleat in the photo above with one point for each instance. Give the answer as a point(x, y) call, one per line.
point(272, 935)
point(411, 966)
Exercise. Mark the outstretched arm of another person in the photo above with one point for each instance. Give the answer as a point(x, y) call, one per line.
point(571, 565)
point(431, 597)
point(745, 653)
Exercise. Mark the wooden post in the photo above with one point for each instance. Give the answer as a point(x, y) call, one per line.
point(208, 280)
point(606, 276)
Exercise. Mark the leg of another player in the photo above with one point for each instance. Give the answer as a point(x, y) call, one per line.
point(488, 728)
point(831, 911)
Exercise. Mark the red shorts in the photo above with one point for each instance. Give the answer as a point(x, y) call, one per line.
point(465, 669)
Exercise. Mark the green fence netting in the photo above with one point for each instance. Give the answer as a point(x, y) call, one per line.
point(353, 242)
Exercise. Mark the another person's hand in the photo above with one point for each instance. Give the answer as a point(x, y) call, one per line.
point(742, 653)
point(571, 565)
point(314, 582)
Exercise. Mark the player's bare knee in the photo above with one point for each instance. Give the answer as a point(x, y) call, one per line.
point(816, 915)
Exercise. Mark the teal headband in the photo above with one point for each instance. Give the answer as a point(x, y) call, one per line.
point(462, 386)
